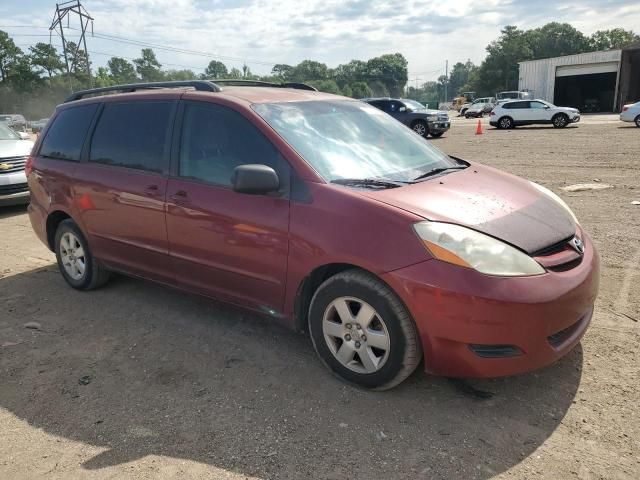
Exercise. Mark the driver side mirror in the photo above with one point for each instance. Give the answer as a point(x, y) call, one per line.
point(402, 109)
point(23, 135)
point(547, 107)
point(255, 179)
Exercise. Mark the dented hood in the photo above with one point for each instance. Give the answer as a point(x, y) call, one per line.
point(489, 201)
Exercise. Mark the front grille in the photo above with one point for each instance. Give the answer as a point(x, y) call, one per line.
point(15, 164)
point(15, 188)
point(495, 351)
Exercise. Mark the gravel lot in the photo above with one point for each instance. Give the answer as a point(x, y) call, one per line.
point(140, 381)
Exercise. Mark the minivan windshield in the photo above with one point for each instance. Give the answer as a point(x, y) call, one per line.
point(7, 134)
point(345, 139)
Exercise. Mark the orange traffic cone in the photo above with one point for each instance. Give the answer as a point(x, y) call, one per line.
point(479, 128)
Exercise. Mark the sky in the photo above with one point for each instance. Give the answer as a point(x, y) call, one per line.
point(262, 33)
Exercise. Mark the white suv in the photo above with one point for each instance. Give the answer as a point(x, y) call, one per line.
point(528, 112)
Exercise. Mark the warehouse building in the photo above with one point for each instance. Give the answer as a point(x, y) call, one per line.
point(591, 82)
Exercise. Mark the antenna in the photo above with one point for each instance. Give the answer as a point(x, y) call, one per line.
point(65, 10)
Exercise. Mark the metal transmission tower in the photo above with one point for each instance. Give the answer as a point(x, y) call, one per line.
point(65, 10)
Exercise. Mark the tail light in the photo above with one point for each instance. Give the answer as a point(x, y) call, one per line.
point(625, 108)
point(492, 112)
point(28, 167)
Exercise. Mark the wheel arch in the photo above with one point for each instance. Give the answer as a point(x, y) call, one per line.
point(53, 220)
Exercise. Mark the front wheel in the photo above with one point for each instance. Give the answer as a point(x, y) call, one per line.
point(362, 331)
point(560, 121)
point(75, 261)
point(420, 128)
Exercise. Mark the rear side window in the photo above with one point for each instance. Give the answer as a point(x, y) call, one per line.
point(133, 135)
point(66, 135)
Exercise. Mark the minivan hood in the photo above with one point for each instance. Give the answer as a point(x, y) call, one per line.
point(489, 201)
point(15, 148)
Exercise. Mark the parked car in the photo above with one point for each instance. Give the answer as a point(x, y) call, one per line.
point(385, 249)
point(15, 121)
point(489, 103)
point(512, 114)
point(14, 151)
point(478, 110)
point(38, 125)
point(631, 113)
point(414, 115)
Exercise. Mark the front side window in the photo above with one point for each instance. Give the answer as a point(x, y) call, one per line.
point(133, 135)
point(345, 139)
point(66, 135)
point(215, 140)
point(537, 105)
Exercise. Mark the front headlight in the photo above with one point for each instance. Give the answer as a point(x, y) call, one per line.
point(432, 118)
point(468, 248)
point(555, 197)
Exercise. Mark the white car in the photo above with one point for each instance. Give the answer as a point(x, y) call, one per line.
point(529, 112)
point(14, 150)
point(466, 106)
point(631, 113)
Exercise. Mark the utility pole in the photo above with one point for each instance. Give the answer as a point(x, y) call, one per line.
point(64, 10)
point(446, 81)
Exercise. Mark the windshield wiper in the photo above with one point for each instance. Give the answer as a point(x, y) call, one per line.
point(368, 182)
point(435, 171)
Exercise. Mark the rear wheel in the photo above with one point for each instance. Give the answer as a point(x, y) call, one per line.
point(75, 261)
point(560, 120)
point(362, 331)
point(637, 120)
point(505, 123)
point(420, 127)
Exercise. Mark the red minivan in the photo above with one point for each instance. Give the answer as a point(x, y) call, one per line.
point(321, 212)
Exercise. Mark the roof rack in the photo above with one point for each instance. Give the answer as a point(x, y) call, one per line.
point(237, 82)
point(201, 85)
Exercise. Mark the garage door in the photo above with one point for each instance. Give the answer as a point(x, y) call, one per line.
point(571, 70)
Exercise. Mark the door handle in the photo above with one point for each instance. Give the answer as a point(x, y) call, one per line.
point(180, 197)
point(152, 190)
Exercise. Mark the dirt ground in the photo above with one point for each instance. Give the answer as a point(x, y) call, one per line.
point(140, 381)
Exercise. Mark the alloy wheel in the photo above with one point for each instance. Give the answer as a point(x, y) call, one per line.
point(505, 123)
point(420, 129)
point(356, 335)
point(72, 255)
point(560, 121)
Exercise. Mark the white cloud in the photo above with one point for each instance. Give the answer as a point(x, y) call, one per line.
point(263, 32)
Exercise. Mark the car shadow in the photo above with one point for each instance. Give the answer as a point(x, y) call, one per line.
point(142, 369)
point(12, 211)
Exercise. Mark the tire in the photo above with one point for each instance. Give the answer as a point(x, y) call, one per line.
point(560, 120)
point(637, 121)
point(467, 116)
point(437, 135)
point(75, 261)
point(378, 354)
point(463, 111)
point(421, 128)
point(505, 123)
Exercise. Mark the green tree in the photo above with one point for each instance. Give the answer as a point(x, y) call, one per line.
point(612, 39)
point(148, 67)
point(460, 75)
point(282, 70)
point(235, 73)
point(23, 77)
point(179, 75)
point(103, 78)
point(354, 71)
point(379, 89)
point(346, 91)
point(216, 69)
point(555, 40)
point(308, 70)
point(9, 55)
point(46, 57)
point(328, 86)
point(121, 71)
point(360, 90)
point(78, 65)
point(391, 70)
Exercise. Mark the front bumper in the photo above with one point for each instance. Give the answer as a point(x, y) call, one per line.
point(457, 310)
point(13, 189)
point(575, 118)
point(439, 126)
